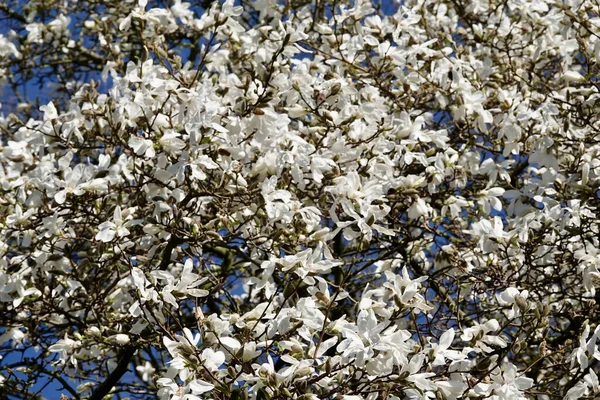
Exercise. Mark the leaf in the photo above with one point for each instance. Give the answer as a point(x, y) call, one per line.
point(262, 394)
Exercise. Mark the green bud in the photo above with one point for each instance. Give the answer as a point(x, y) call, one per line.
point(262, 394)
point(484, 364)
point(272, 380)
point(546, 310)
point(335, 89)
point(521, 303)
point(239, 394)
point(516, 346)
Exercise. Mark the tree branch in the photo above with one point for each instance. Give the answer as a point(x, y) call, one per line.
point(5, 8)
point(125, 357)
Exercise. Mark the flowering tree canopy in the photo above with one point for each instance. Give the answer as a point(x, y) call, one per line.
point(294, 199)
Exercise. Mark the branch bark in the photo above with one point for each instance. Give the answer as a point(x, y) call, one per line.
point(5, 8)
point(105, 387)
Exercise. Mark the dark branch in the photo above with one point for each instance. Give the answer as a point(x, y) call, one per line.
point(125, 357)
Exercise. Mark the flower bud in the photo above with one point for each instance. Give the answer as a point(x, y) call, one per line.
point(545, 310)
point(521, 303)
point(516, 348)
point(120, 339)
point(272, 380)
point(335, 89)
point(323, 299)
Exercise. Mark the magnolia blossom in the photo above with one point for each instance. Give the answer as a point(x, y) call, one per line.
point(66, 347)
point(441, 351)
point(300, 200)
point(506, 385)
point(483, 337)
point(108, 230)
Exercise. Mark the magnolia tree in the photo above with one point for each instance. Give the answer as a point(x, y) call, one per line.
point(286, 199)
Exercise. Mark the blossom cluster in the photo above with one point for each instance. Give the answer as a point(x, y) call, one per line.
point(307, 201)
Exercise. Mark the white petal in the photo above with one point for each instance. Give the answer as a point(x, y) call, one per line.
point(199, 386)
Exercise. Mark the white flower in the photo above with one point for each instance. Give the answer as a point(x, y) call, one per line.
point(65, 347)
point(441, 351)
point(14, 334)
point(142, 146)
point(573, 76)
point(489, 197)
point(507, 384)
point(7, 48)
point(406, 291)
point(186, 285)
point(146, 370)
point(109, 229)
point(512, 296)
point(480, 333)
point(19, 217)
point(119, 339)
point(74, 184)
point(490, 233)
point(198, 386)
point(419, 209)
point(212, 359)
point(171, 143)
